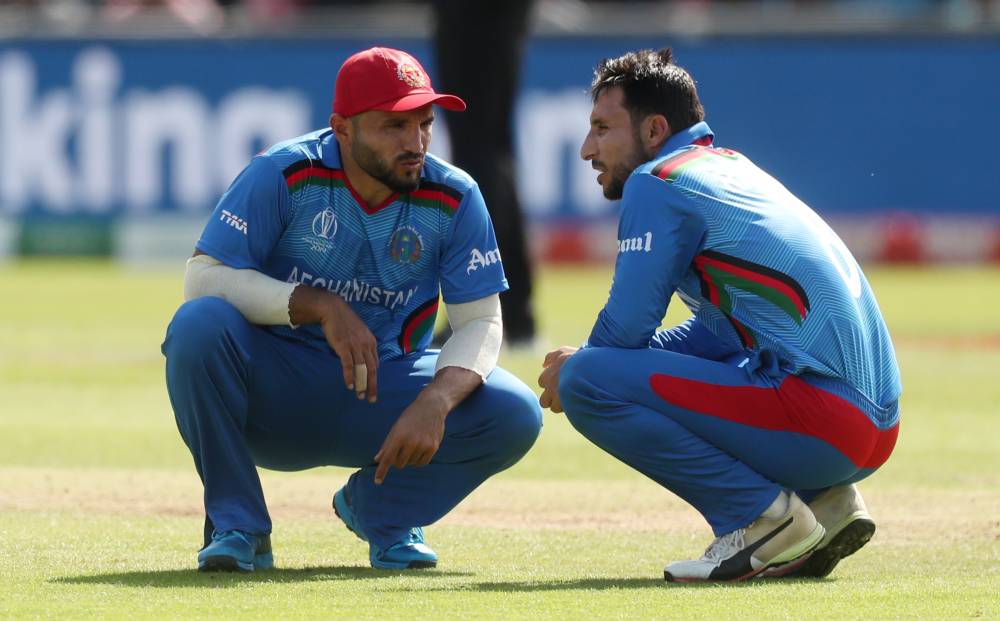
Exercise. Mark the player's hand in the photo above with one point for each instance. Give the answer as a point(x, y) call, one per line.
point(355, 345)
point(414, 439)
point(549, 379)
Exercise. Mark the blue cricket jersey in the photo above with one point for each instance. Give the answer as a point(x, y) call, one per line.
point(754, 264)
point(293, 215)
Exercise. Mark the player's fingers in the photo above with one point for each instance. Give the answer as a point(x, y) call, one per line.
point(555, 404)
point(384, 459)
point(360, 376)
point(545, 399)
point(553, 356)
point(360, 379)
point(404, 456)
point(347, 364)
point(381, 471)
point(371, 376)
point(543, 379)
point(424, 458)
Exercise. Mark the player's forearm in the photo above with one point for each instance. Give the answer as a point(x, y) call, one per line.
point(450, 386)
point(261, 299)
point(310, 305)
point(477, 333)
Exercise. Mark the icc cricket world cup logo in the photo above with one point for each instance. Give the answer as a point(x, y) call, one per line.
point(325, 224)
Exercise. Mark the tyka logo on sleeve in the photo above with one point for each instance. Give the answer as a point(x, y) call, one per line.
point(234, 221)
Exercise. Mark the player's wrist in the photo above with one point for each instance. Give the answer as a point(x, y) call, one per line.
point(312, 305)
point(434, 401)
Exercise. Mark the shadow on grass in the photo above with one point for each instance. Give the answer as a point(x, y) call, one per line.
point(170, 578)
point(599, 584)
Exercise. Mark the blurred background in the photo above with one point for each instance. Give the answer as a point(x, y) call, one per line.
point(122, 121)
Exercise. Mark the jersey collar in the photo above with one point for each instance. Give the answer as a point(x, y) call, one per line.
point(698, 134)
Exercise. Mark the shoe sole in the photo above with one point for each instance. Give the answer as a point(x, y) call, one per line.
point(230, 564)
point(789, 560)
point(853, 536)
point(410, 565)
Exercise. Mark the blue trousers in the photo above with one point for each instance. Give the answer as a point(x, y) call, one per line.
point(244, 397)
point(724, 431)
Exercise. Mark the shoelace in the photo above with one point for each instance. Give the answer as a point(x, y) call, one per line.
point(416, 535)
point(725, 546)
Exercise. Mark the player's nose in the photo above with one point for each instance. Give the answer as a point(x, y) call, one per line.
point(588, 150)
point(414, 141)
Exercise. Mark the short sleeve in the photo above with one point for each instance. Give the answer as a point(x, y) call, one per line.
point(471, 267)
point(250, 217)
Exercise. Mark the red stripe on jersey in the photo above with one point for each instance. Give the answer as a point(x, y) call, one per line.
point(314, 171)
point(757, 277)
point(436, 195)
point(666, 168)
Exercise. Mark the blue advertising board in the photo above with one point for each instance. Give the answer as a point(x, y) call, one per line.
point(852, 125)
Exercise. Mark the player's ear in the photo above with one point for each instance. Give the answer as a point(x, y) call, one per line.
point(341, 127)
point(655, 131)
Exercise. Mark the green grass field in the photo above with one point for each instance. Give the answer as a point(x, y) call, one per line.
point(100, 513)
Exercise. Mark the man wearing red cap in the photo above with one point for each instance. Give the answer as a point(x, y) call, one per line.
point(310, 303)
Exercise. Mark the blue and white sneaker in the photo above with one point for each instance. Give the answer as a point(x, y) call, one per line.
point(410, 552)
point(236, 550)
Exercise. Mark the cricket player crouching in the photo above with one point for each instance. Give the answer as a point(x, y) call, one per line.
point(310, 305)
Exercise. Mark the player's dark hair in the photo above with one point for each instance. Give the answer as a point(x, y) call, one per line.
point(651, 84)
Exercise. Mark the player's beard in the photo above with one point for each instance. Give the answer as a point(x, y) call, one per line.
point(377, 168)
point(619, 173)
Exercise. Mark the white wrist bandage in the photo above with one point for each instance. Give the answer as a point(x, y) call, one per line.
point(477, 330)
point(262, 300)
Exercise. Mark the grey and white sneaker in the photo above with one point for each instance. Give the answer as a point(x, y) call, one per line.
point(842, 512)
point(781, 539)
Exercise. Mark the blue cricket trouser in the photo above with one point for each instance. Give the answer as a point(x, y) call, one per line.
point(723, 432)
point(244, 397)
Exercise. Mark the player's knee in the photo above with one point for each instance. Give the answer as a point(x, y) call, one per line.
point(517, 416)
point(198, 326)
point(577, 379)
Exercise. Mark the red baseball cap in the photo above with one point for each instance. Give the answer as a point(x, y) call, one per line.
point(382, 78)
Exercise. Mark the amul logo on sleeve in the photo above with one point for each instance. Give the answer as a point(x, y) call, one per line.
point(479, 259)
point(636, 244)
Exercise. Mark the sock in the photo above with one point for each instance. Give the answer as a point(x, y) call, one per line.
point(778, 508)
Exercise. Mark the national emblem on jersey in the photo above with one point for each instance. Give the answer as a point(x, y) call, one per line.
point(406, 245)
